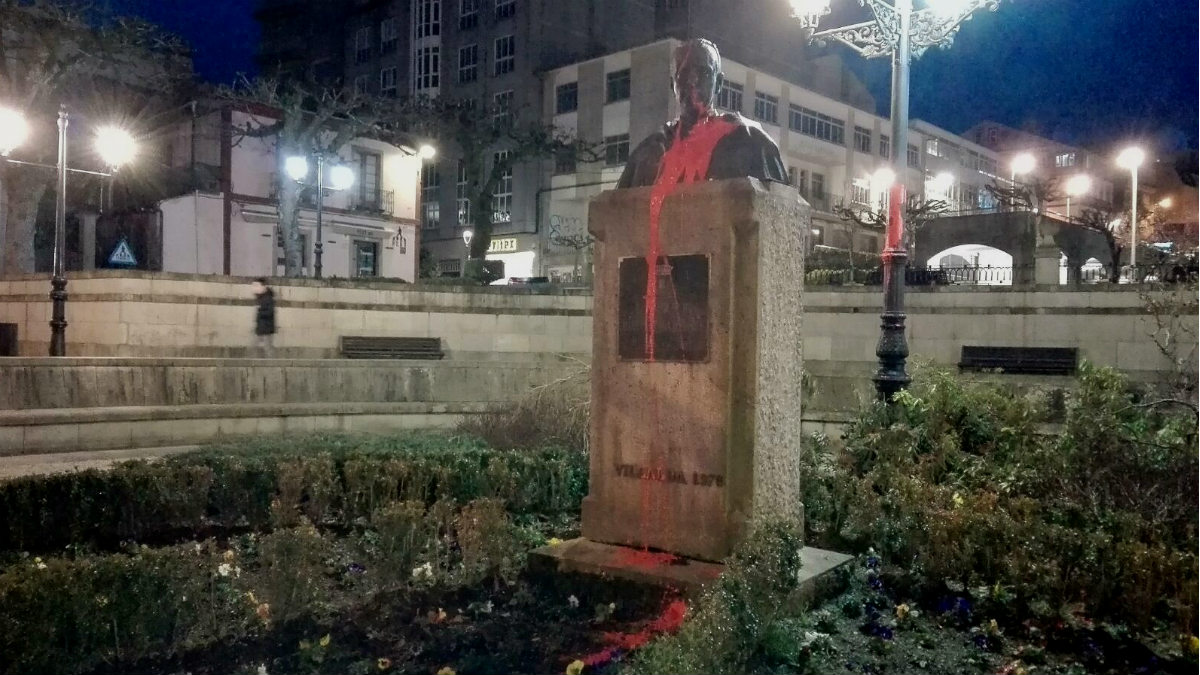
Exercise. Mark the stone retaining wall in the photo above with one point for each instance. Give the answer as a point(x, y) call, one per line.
point(122, 313)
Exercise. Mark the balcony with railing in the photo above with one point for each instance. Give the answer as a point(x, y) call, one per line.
point(374, 200)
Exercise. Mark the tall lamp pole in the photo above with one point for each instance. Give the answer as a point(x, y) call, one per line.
point(341, 177)
point(898, 31)
point(1131, 159)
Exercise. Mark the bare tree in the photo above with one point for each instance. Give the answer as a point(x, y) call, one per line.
point(57, 52)
point(917, 214)
point(491, 142)
point(1115, 230)
point(305, 119)
point(1172, 326)
point(574, 236)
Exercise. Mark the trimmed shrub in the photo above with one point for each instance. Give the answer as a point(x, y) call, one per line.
point(278, 483)
point(956, 485)
point(65, 615)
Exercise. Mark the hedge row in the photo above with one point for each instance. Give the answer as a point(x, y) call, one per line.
point(260, 487)
point(75, 615)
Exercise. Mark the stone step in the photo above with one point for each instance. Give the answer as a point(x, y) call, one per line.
point(819, 578)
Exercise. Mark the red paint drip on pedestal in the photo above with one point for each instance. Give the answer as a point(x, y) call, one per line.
point(686, 162)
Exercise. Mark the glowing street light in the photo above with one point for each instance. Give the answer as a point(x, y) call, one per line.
point(1131, 159)
point(1077, 185)
point(883, 178)
point(427, 152)
point(341, 177)
point(1022, 164)
point(1166, 203)
point(115, 146)
point(296, 168)
point(13, 130)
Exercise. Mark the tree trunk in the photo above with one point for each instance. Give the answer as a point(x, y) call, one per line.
point(23, 193)
point(289, 223)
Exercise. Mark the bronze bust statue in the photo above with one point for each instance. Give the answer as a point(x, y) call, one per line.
point(725, 145)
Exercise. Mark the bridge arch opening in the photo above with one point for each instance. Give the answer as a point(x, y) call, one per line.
point(978, 264)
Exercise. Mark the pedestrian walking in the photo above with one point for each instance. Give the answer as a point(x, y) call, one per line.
point(264, 319)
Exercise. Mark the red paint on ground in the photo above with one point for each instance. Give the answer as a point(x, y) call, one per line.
point(667, 622)
point(642, 559)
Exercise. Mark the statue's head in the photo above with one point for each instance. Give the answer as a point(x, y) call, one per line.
point(697, 77)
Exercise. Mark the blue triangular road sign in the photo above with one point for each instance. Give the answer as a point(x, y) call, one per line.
point(122, 255)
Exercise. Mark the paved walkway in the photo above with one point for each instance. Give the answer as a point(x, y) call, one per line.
point(59, 462)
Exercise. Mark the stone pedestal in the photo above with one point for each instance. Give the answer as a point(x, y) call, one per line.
point(687, 448)
point(1047, 264)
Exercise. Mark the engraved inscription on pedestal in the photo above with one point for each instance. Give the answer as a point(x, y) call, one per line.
point(682, 309)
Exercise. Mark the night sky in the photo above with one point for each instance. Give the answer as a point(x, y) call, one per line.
point(1092, 72)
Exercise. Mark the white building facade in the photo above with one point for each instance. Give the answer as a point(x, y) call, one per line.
point(232, 225)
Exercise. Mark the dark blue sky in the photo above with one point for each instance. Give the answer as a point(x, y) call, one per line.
point(1085, 71)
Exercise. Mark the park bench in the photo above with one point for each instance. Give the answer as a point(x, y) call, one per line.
point(360, 347)
point(1021, 360)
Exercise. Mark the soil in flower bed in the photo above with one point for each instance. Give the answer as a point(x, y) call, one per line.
point(537, 625)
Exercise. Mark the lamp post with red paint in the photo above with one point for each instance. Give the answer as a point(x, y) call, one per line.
point(897, 30)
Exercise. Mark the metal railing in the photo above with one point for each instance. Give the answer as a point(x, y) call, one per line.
point(373, 201)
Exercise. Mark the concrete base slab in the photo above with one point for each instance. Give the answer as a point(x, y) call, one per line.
point(818, 571)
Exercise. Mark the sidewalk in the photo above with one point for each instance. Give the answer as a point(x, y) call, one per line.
point(59, 462)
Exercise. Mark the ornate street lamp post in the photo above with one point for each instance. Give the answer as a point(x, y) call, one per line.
point(115, 147)
point(898, 31)
point(341, 177)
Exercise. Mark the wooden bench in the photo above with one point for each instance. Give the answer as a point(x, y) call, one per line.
point(359, 347)
point(1021, 360)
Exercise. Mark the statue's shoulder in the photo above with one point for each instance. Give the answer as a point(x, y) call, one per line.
point(751, 127)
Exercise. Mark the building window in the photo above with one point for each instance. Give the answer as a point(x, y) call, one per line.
point(502, 108)
point(818, 185)
point(802, 182)
point(360, 85)
point(505, 9)
point(885, 145)
point(766, 108)
point(931, 147)
point(428, 66)
point(914, 156)
point(462, 196)
point(506, 54)
point(793, 176)
point(468, 63)
point(860, 193)
point(362, 45)
point(987, 165)
point(502, 199)
point(862, 139)
point(564, 161)
point(618, 86)
point(616, 150)
point(730, 96)
point(817, 125)
point(389, 38)
point(431, 184)
point(1064, 160)
point(427, 18)
point(368, 170)
point(566, 98)
point(468, 14)
point(387, 82)
point(450, 267)
point(366, 258)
